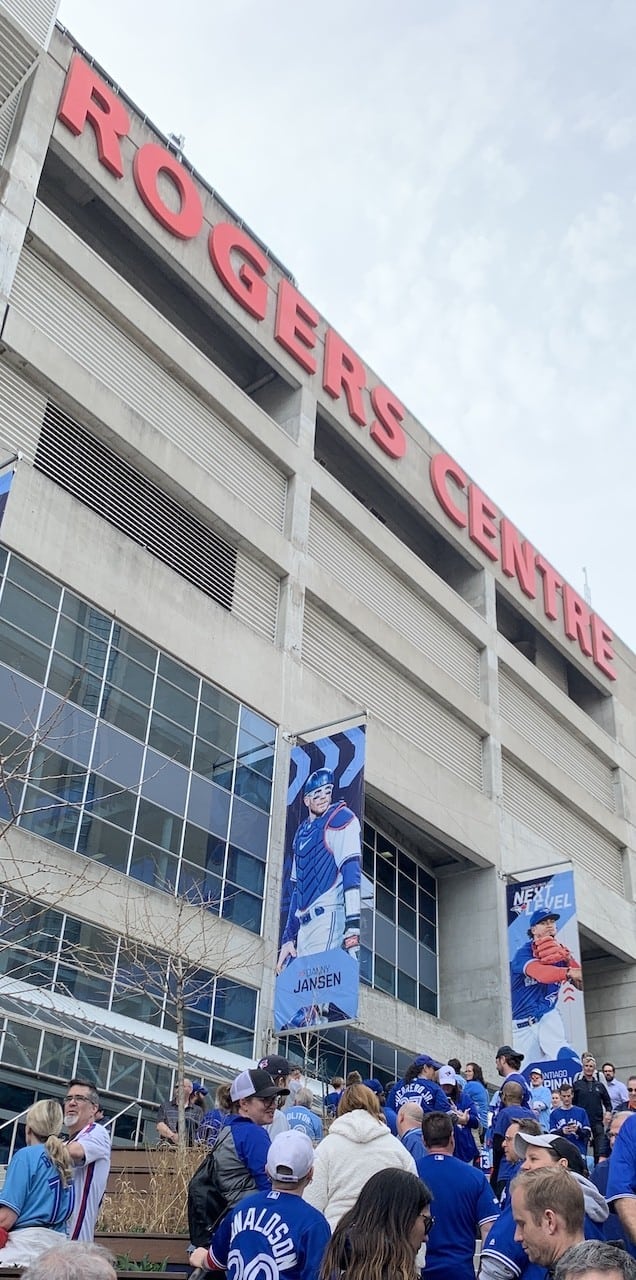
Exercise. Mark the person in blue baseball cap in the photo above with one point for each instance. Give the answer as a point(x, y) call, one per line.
point(419, 1086)
point(324, 911)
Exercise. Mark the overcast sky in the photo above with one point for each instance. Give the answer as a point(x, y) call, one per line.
point(452, 183)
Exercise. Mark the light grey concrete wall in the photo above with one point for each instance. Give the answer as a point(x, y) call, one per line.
point(610, 1004)
point(472, 955)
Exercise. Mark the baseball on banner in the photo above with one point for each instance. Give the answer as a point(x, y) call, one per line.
point(317, 966)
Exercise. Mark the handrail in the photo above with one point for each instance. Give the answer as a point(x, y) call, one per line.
point(123, 1111)
point(13, 1119)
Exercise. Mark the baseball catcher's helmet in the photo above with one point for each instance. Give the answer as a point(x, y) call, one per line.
point(319, 778)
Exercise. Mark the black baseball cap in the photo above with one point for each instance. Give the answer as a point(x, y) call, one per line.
point(254, 1084)
point(276, 1065)
point(507, 1051)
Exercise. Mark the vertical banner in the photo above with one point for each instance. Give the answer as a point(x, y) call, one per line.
point(5, 485)
point(546, 985)
point(318, 971)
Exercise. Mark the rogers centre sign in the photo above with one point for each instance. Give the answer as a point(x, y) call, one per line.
point(244, 270)
point(238, 262)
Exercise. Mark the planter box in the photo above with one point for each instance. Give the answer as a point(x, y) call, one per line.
point(157, 1247)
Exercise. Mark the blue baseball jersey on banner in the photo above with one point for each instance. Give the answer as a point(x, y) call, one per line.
point(462, 1201)
point(268, 1235)
point(315, 867)
point(33, 1189)
point(530, 998)
point(561, 1117)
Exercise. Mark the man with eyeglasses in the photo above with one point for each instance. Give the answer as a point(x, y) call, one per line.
point(89, 1148)
point(630, 1105)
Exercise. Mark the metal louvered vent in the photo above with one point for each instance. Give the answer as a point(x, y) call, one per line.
point(34, 16)
point(21, 412)
point(402, 606)
point(553, 736)
point(568, 832)
point(399, 702)
point(99, 478)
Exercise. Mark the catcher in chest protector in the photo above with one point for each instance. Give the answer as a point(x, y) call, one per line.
point(538, 970)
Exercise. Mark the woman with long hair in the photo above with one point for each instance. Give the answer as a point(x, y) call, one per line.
point(379, 1238)
point(476, 1089)
point(358, 1145)
point(37, 1197)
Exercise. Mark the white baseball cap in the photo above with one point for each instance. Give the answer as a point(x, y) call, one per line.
point(522, 1141)
point(290, 1157)
point(447, 1075)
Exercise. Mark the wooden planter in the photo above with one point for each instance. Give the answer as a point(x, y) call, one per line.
point(157, 1247)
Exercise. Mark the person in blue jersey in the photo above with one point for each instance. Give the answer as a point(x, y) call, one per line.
point(613, 1228)
point(462, 1203)
point(510, 1161)
point(570, 1121)
point(382, 1236)
point(301, 1115)
point(502, 1257)
point(540, 1098)
point(332, 1098)
point(324, 911)
point(621, 1183)
point(537, 971)
point(390, 1117)
point(409, 1127)
point(511, 1109)
point(274, 1233)
point(37, 1198)
point(477, 1091)
point(419, 1085)
point(465, 1115)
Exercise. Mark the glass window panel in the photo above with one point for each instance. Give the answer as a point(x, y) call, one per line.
point(125, 642)
point(385, 872)
point(385, 902)
point(170, 739)
point(428, 934)
point(203, 849)
point(3, 559)
point(384, 976)
point(22, 653)
point(84, 647)
point(139, 1004)
point(179, 675)
point(92, 1063)
point(174, 704)
point(71, 682)
point(130, 676)
point(235, 1003)
point(88, 945)
point(427, 1000)
point(407, 988)
point(156, 1082)
point(384, 938)
point(124, 1075)
point(366, 965)
point(407, 952)
point(196, 1025)
point(428, 968)
point(216, 728)
point(200, 887)
point(124, 712)
point(34, 581)
point(219, 701)
point(426, 906)
point(29, 922)
point(164, 782)
point(10, 799)
point(27, 613)
point(58, 1055)
point(86, 615)
point(257, 726)
point(21, 1045)
point(14, 749)
point(68, 729)
point(22, 965)
point(103, 843)
point(253, 788)
point(57, 775)
point(366, 927)
point(153, 866)
point(255, 754)
point(106, 800)
point(212, 763)
point(407, 919)
point(406, 890)
point(244, 870)
point(249, 828)
point(406, 865)
point(83, 986)
point(117, 756)
point(159, 826)
point(369, 834)
point(384, 1059)
point(232, 1039)
point(368, 864)
point(209, 806)
point(242, 908)
point(427, 882)
point(49, 818)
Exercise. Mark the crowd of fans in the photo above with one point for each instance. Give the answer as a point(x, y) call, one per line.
point(405, 1180)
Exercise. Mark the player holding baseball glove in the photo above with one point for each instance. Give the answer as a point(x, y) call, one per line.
point(537, 973)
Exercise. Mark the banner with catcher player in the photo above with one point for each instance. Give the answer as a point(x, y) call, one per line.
point(546, 984)
point(318, 971)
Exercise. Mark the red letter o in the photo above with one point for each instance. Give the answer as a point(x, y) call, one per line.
point(151, 160)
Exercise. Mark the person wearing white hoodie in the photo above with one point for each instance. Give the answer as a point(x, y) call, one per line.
point(358, 1145)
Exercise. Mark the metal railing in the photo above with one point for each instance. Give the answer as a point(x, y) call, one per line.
point(15, 1120)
